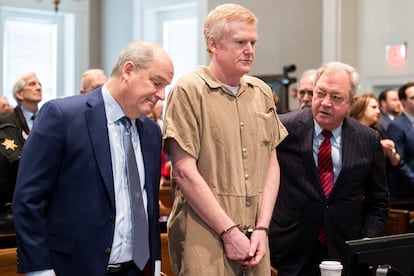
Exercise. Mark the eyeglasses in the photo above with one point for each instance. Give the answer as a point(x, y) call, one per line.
point(334, 98)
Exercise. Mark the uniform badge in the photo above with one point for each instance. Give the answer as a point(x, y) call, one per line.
point(9, 144)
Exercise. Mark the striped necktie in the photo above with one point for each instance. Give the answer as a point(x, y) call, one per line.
point(140, 233)
point(325, 166)
point(325, 170)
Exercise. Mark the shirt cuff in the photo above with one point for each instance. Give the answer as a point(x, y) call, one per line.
point(47, 272)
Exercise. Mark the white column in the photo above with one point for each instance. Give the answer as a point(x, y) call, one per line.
point(331, 28)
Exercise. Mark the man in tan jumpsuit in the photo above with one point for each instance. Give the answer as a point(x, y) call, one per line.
point(221, 131)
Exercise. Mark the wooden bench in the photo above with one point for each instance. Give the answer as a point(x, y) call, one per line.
point(165, 256)
point(8, 259)
point(405, 204)
point(398, 222)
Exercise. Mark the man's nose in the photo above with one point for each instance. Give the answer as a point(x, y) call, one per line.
point(160, 94)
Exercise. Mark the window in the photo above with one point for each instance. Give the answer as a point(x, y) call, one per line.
point(179, 39)
point(33, 42)
point(176, 28)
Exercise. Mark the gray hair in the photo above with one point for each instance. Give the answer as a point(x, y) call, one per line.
point(141, 53)
point(85, 81)
point(93, 71)
point(20, 83)
point(339, 66)
point(306, 73)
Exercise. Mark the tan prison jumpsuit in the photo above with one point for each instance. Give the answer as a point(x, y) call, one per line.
point(231, 137)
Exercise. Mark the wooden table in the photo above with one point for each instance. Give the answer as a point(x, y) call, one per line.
point(8, 260)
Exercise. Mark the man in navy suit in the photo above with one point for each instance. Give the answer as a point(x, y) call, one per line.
point(309, 225)
point(401, 131)
point(390, 106)
point(71, 203)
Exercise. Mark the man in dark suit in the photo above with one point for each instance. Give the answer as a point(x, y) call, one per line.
point(311, 221)
point(72, 206)
point(401, 131)
point(390, 106)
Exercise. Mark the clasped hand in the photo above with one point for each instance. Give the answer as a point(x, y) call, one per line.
point(246, 252)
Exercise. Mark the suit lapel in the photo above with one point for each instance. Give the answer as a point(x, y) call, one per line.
point(407, 124)
point(306, 130)
point(21, 121)
point(98, 132)
point(146, 154)
point(348, 148)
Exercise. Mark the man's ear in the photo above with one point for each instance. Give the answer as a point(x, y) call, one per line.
point(19, 95)
point(127, 69)
point(212, 44)
point(353, 100)
point(383, 105)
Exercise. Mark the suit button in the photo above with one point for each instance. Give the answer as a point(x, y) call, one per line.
point(107, 250)
point(326, 206)
point(112, 218)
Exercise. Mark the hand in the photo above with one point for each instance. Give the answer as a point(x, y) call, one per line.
point(257, 248)
point(389, 149)
point(388, 146)
point(236, 245)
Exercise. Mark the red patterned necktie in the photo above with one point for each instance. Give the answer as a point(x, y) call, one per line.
point(325, 170)
point(325, 167)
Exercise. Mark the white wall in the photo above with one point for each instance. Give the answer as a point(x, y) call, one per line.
point(117, 29)
point(383, 22)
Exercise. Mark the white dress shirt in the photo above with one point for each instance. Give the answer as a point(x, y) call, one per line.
point(122, 243)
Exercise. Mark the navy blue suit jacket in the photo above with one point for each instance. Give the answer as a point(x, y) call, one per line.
point(401, 131)
point(385, 121)
point(64, 202)
point(357, 206)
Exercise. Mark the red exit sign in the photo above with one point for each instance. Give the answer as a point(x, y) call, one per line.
point(396, 54)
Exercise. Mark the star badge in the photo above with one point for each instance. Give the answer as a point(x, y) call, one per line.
point(9, 144)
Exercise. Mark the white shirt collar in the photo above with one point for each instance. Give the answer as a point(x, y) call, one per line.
point(335, 133)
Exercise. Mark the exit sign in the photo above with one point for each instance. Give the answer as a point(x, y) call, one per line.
point(396, 54)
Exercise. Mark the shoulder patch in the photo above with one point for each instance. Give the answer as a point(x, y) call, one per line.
point(9, 144)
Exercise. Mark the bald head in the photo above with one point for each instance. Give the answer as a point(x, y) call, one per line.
point(4, 106)
point(141, 53)
point(92, 79)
